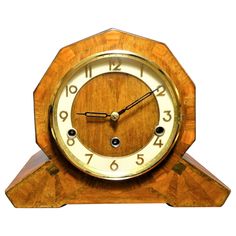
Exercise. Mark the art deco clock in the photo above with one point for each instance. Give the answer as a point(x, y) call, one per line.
point(114, 116)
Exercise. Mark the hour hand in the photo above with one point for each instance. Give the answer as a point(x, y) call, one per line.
point(94, 114)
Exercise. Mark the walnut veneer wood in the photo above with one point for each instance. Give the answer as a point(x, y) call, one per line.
point(108, 93)
point(49, 180)
point(179, 182)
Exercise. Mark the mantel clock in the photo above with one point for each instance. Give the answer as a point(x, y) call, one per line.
point(114, 116)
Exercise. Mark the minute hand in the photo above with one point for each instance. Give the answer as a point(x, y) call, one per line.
point(137, 101)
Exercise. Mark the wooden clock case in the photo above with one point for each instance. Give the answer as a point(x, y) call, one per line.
point(49, 180)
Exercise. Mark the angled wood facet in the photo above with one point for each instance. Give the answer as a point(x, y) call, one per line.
point(49, 180)
point(179, 182)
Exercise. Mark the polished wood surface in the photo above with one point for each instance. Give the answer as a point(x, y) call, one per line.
point(108, 93)
point(70, 56)
point(177, 181)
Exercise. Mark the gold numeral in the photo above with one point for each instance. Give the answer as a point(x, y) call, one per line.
point(140, 159)
point(70, 142)
point(114, 166)
point(71, 89)
point(158, 142)
point(90, 157)
point(114, 65)
point(88, 71)
point(168, 116)
point(141, 70)
point(63, 115)
point(161, 90)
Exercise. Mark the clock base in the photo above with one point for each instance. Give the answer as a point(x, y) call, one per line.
point(179, 182)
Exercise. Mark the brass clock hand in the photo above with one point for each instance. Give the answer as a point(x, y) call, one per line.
point(94, 114)
point(114, 115)
point(136, 101)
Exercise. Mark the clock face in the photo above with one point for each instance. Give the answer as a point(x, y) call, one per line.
point(115, 115)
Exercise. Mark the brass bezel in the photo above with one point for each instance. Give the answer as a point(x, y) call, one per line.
point(164, 77)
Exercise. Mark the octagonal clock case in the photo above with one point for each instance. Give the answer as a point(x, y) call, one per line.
point(114, 116)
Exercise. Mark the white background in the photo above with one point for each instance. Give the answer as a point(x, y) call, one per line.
point(201, 34)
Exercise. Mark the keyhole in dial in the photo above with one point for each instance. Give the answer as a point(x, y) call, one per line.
point(115, 142)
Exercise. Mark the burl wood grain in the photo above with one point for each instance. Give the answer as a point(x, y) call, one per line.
point(108, 93)
point(178, 180)
point(71, 55)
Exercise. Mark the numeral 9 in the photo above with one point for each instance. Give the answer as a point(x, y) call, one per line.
point(63, 115)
